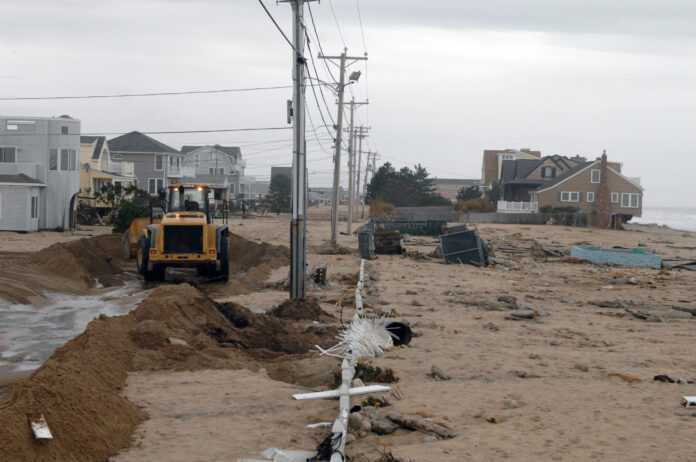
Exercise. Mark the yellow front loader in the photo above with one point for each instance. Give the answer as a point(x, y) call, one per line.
point(184, 237)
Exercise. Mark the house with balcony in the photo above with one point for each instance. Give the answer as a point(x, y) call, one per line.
point(155, 165)
point(222, 167)
point(98, 168)
point(39, 174)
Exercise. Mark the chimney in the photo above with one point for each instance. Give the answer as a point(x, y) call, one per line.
point(602, 205)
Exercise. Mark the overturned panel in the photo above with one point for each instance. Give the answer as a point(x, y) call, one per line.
point(463, 247)
point(626, 257)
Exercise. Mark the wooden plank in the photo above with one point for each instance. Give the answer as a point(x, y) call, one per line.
point(337, 393)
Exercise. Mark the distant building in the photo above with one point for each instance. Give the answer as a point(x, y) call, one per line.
point(155, 164)
point(449, 187)
point(39, 174)
point(323, 196)
point(493, 162)
point(218, 166)
point(97, 168)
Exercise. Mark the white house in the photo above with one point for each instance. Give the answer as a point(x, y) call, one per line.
point(39, 172)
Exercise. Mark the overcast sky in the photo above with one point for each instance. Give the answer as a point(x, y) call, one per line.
point(446, 79)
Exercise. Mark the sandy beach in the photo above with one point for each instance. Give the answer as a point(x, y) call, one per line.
point(574, 383)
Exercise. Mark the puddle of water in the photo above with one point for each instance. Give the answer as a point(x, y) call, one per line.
point(29, 334)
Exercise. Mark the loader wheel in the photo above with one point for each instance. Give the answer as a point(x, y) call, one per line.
point(127, 245)
point(142, 255)
point(224, 256)
point(143, 258)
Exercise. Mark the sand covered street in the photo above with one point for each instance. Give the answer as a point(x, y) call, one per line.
point(206, 371)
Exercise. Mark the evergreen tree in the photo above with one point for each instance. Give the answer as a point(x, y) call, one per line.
point(279, 193)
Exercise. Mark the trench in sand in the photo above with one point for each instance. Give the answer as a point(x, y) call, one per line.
point(176, 327)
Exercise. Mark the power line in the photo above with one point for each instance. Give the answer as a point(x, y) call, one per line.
point(171, 132)
point(132, 95)
point(321, 50)
point(362, 32)
point(336, 20)
point(278, 27)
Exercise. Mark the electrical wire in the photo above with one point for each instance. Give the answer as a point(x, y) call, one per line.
point(278, 27)
point(134, 95)
point(337, 25)
point(362, 31)
point(321, 50)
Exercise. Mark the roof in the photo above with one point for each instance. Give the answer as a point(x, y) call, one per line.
point(572, 172)
point(516, 169)
point(457, 181)
point(97, 148)
point(139, 142)
point(20, 178)
point(233, 151)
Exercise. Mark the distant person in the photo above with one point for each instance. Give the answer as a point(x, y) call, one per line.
point(243, 208)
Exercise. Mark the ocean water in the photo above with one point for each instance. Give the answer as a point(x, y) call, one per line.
point(675, 217)
point(29, 334)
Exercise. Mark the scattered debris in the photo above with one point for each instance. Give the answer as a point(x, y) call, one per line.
point(624, 377)
point(608, 304)
point(40, 429)
point(510, 403)
point(494, 419)
point(686, 310)
point(434, 426)
point(521, 314)
point(439, 374)
point(664, 379)
point(627, 257)
point(491, 326)
point(524, 374)
point(644, 316)
point(464, 247)
point(688, 401)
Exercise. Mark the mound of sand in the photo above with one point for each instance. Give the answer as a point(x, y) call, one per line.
point(79, 388)
point(86, 260)
point(301, 309)
point(246, 255)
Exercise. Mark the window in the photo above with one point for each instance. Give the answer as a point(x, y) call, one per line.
point(232, 188)
point(222, 171)
point(615, 198)
point(35, 206)
point(20, 125)
point(211, 170)
point(196, 160)
point(64, 157)
point(596, 176)
point(158, 162)
point(154, 185)
point(590, 196)
point(570, 196)
point(53, 159)
point(63, 130)
point(629, 200)
point(73, 160)
point(548, 172)
point(8, 154)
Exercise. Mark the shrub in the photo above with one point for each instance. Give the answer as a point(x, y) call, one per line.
point(474, 205)
point(128, 211)
point(379, 208)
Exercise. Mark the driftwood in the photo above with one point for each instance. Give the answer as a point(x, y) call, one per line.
point(685, 310)
point(433, 426)
point(644, 316)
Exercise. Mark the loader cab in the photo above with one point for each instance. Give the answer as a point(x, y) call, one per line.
point(189, 198)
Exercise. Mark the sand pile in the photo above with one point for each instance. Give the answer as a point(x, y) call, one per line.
point(246, 255)
point(301, 309)
point(87, 260)
point(79, 388)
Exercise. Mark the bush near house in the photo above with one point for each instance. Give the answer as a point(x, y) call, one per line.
point(474, 205)
point(128, 211)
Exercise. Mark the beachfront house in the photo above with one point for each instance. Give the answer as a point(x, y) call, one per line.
point(597, 188)
point(97, 168)
point(221, 167)
point(493, 162)
point(449, 187)
point(39, 177)
point(155, 165)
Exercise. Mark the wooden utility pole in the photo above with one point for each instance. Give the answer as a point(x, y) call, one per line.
point(343, 64)
point(358, 168)
point(351, 168)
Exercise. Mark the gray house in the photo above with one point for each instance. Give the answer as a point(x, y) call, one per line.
point(39, 173)
point(221, 167)
point(155, 164)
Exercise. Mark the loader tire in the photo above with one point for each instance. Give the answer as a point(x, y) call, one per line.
point(127, 245)
point(158, 272)
point(224, 256)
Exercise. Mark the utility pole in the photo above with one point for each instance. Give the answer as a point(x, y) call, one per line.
point(339, 131)
point(368, 167)
point(351, 168)
point(298, 226)
point(358, 167)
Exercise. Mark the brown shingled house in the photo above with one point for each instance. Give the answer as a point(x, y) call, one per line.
point(579, 187)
